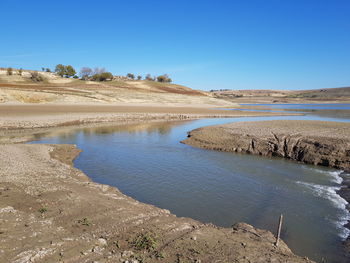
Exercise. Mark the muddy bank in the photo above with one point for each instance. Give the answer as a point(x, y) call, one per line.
point(311, 142)
point(52, 212)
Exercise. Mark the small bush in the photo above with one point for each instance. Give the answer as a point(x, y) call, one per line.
point(42, 210)
point(102, 76)
point(145, 241)
point(149, 77)
point(36, 77)
point(130, 76)
point(164, 78)
point(9, 71)
point(84, 222)
point(20, 71)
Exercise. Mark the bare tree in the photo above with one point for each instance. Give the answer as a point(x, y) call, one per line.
point(148, 77)
point(98, 71)
point(85, 73)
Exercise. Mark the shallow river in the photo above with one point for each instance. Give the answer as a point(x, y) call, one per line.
point(148, 163)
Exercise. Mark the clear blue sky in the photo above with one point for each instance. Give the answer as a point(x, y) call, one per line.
point(261, 44)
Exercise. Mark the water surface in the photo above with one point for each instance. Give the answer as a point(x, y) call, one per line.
point(331, 110)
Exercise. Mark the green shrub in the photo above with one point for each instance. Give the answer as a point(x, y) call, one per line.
point(164, 78)
point(67, 71)
point(145, 241)
point(42, 210)
point(84, 222)
point(102, 76)
point(130, 76)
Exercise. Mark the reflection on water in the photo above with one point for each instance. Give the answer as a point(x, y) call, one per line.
point(336, 110)
point(149, 128)
point(147, 162)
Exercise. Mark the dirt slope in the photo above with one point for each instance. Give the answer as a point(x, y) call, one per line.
point(54, 89)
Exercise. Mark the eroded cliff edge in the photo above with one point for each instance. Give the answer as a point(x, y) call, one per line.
point(51, 212)
point(311, 142)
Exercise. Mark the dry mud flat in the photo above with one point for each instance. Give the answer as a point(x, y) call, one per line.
point(51, 212)
point(24, 116)
point(312, 142)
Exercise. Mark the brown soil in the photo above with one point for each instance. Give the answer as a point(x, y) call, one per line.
point(54, 89)
point(51, 212)
point(22, 116)
point(312, 142)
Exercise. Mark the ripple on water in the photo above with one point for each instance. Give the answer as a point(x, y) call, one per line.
point(330, 193)
point(333, 175)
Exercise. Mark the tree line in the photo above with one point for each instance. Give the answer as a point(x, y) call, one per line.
point(95, 74)
point(100, 74)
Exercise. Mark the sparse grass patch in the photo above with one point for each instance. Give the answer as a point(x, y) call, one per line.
point(42, 210)
point(158, 254)
point(145, 241)
point(84, 222)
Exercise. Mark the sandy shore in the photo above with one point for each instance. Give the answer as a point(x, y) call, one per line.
point(50, 212)
point(50, 115)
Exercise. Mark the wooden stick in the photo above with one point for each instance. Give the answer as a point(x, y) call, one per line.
point(279, 230)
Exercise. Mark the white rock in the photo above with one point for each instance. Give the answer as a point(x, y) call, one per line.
point(101, 242)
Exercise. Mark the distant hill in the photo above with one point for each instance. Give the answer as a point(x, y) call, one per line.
point(55, 89)
point(285, 96)
point(323, 94)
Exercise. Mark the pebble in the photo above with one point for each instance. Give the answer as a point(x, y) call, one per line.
point(101, 242)
point(127, 253)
